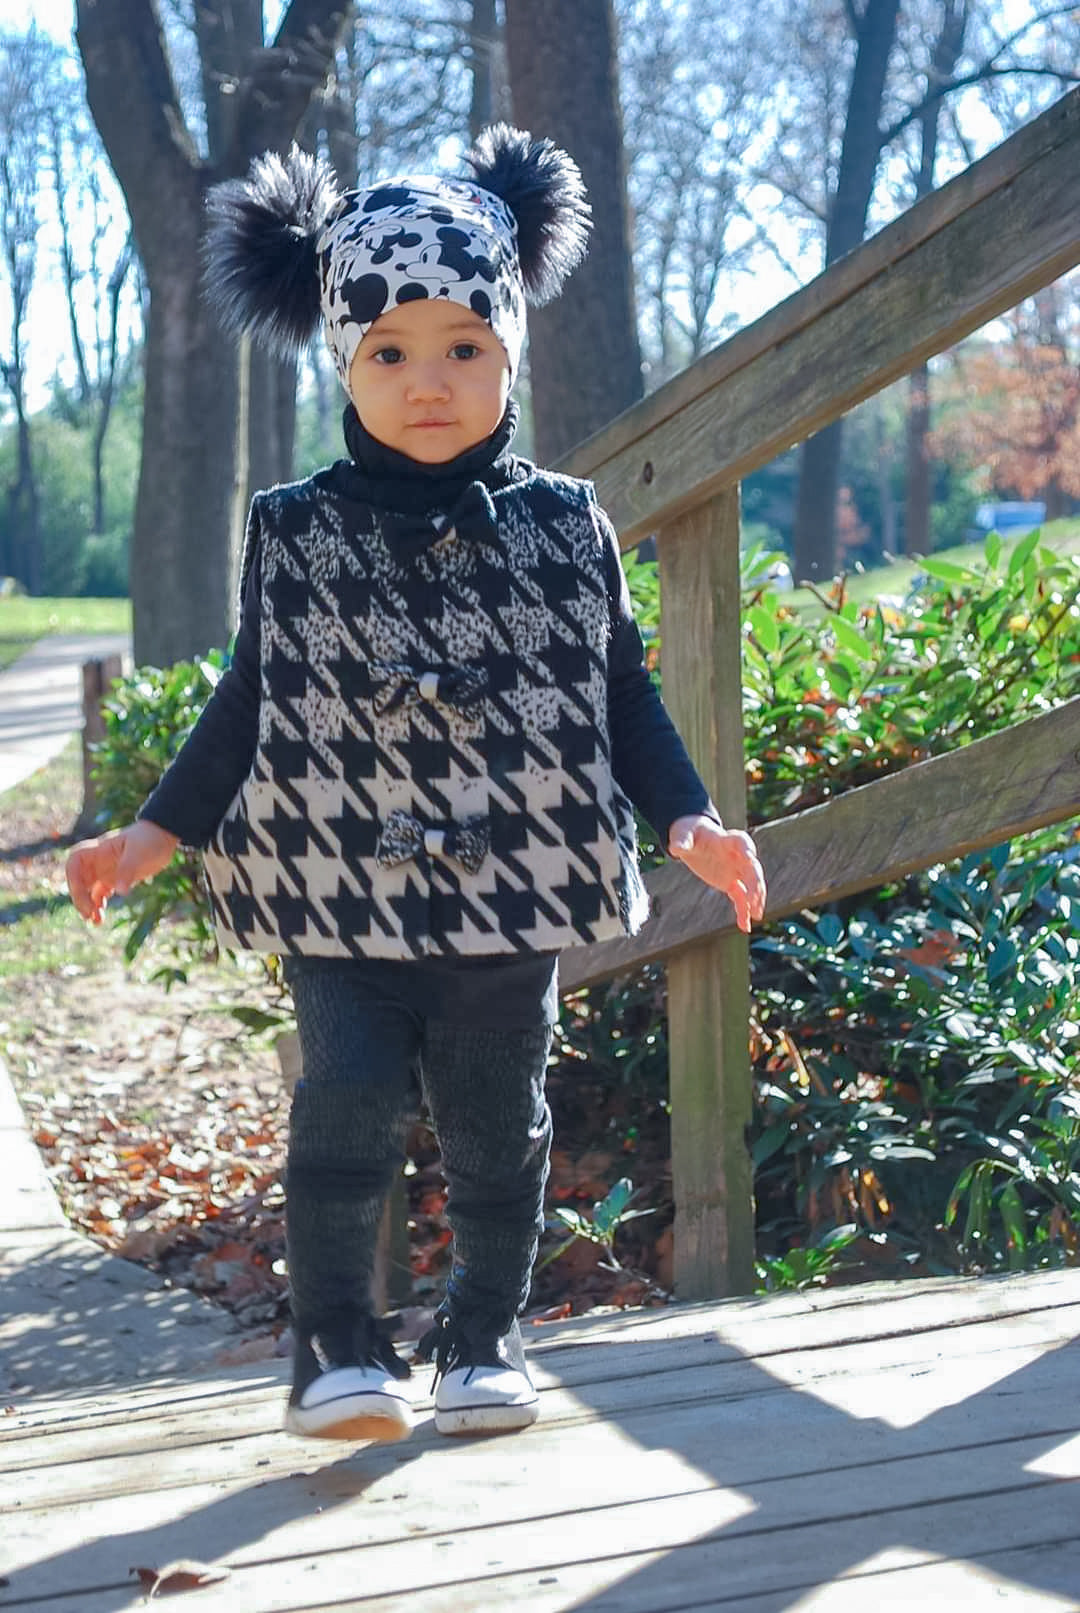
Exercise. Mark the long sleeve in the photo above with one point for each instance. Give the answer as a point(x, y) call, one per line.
point(198, 787)
point(648, 758)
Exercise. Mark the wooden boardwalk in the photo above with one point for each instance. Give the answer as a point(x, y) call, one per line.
point(900, 1446)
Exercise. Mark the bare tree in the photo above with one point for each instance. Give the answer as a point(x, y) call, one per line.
point(948, 44)
point(585, 362)
point(90, 258)
point(694, 99)
point(193, 479)
point(829, 141)
point(875, 32)
point(27, 64)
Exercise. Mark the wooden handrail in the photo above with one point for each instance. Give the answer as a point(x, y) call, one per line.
point(1008, 784)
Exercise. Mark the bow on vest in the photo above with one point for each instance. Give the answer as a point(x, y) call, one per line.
point(463, 688)
point(472, 517)
point(404, 837)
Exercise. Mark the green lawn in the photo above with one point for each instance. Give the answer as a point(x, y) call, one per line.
point(1064, 536)
point(23, 621)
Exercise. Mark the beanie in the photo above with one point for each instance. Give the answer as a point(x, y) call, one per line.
point(285, 249)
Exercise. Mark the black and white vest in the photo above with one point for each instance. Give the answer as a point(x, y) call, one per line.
point(433, 768)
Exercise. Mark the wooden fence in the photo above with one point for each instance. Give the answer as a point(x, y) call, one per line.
point(671, 466)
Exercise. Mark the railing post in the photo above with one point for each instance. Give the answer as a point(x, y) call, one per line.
point(98, 677)
point(709, 984)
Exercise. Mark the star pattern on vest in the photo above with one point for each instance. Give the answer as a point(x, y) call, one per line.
point(433, 687)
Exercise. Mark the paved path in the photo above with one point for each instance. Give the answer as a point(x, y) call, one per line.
point(71, 1315)
point(41, 700)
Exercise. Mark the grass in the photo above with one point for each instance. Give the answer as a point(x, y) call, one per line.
point(56, 787)
point(47, 939)
point(24, 620)
point(39, 929)
point(898, 575)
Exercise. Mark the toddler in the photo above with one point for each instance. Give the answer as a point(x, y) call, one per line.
point(414, 782)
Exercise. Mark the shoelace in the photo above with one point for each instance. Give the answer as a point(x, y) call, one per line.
point(452, 1343)
point(366, 1342)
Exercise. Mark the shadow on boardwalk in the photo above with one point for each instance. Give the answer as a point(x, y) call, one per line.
point(667, 1473)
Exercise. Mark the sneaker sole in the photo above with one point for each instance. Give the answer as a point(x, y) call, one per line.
point(349, 1423)
point(464, 1420)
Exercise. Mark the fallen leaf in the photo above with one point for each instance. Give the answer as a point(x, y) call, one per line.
point(184, 1575)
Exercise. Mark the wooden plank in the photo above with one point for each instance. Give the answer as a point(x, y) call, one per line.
point(918, 287)
point(1002, 1379)
point(655, 1582)
point(760, 1328)
point(931, 812)
point(760, 1533)
point(709, 985)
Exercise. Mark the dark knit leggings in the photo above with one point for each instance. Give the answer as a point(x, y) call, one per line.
point(368, 1049)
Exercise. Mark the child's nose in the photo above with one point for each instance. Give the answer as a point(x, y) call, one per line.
point(429, 381)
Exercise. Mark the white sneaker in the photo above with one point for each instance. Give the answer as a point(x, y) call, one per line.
point(482, 1385)
point(346, 1385)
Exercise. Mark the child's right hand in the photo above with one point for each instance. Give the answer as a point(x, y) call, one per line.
point(115, 862)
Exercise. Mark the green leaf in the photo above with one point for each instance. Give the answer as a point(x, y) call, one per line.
point(849, 638)
point(1022, 553)
point(992, 549)
point(1012, 1214)
point(770, 1142)
point(765, 628)
point(947, 571)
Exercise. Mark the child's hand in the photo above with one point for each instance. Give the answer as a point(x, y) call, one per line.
point(115, 862)
point(724, 858)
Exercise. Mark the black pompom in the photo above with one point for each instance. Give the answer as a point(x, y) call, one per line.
point(261, 272)
point(543, 188)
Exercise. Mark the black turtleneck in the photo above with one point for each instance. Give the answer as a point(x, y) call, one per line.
point(649, 760)
point(378, 475)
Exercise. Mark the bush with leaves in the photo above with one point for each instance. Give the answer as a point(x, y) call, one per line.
point(912, 1049)
point(913, 1058)
point(147, 717)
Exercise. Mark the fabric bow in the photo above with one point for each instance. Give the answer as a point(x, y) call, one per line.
point(472, 517)
point(463, 688)
point(404, 837)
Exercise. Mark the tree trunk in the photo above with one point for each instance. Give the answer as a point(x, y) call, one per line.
point(947, 48)
point(192, 486)
point(184, 554)
point(917, 503)
point(484, 53)
point(819, 466)
point(583, 351)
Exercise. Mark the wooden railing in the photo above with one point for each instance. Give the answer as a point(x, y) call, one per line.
point(671, 466)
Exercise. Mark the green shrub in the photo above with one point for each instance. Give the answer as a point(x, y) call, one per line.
point(910, 1058)
point(147, 718)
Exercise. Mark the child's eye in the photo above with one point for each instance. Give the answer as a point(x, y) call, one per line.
point(465, 350)
point(389, 355)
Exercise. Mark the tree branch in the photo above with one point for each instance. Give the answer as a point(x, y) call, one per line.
point(130, 88)
point(284, 77)
point(978, 75)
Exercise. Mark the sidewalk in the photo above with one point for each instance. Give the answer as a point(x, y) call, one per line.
point(41, 700)
point(72, 1317)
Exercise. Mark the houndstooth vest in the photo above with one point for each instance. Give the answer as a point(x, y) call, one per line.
point(432, 774)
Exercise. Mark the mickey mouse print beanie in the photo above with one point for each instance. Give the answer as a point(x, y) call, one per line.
point(285, 249)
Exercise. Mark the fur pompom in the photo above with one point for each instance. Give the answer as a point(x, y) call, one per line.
point(262, 277)
point(543, 188)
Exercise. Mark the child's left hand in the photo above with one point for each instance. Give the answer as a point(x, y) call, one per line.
point(726, 859)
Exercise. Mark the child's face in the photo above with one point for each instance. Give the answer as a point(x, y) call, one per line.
point(430, 379)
